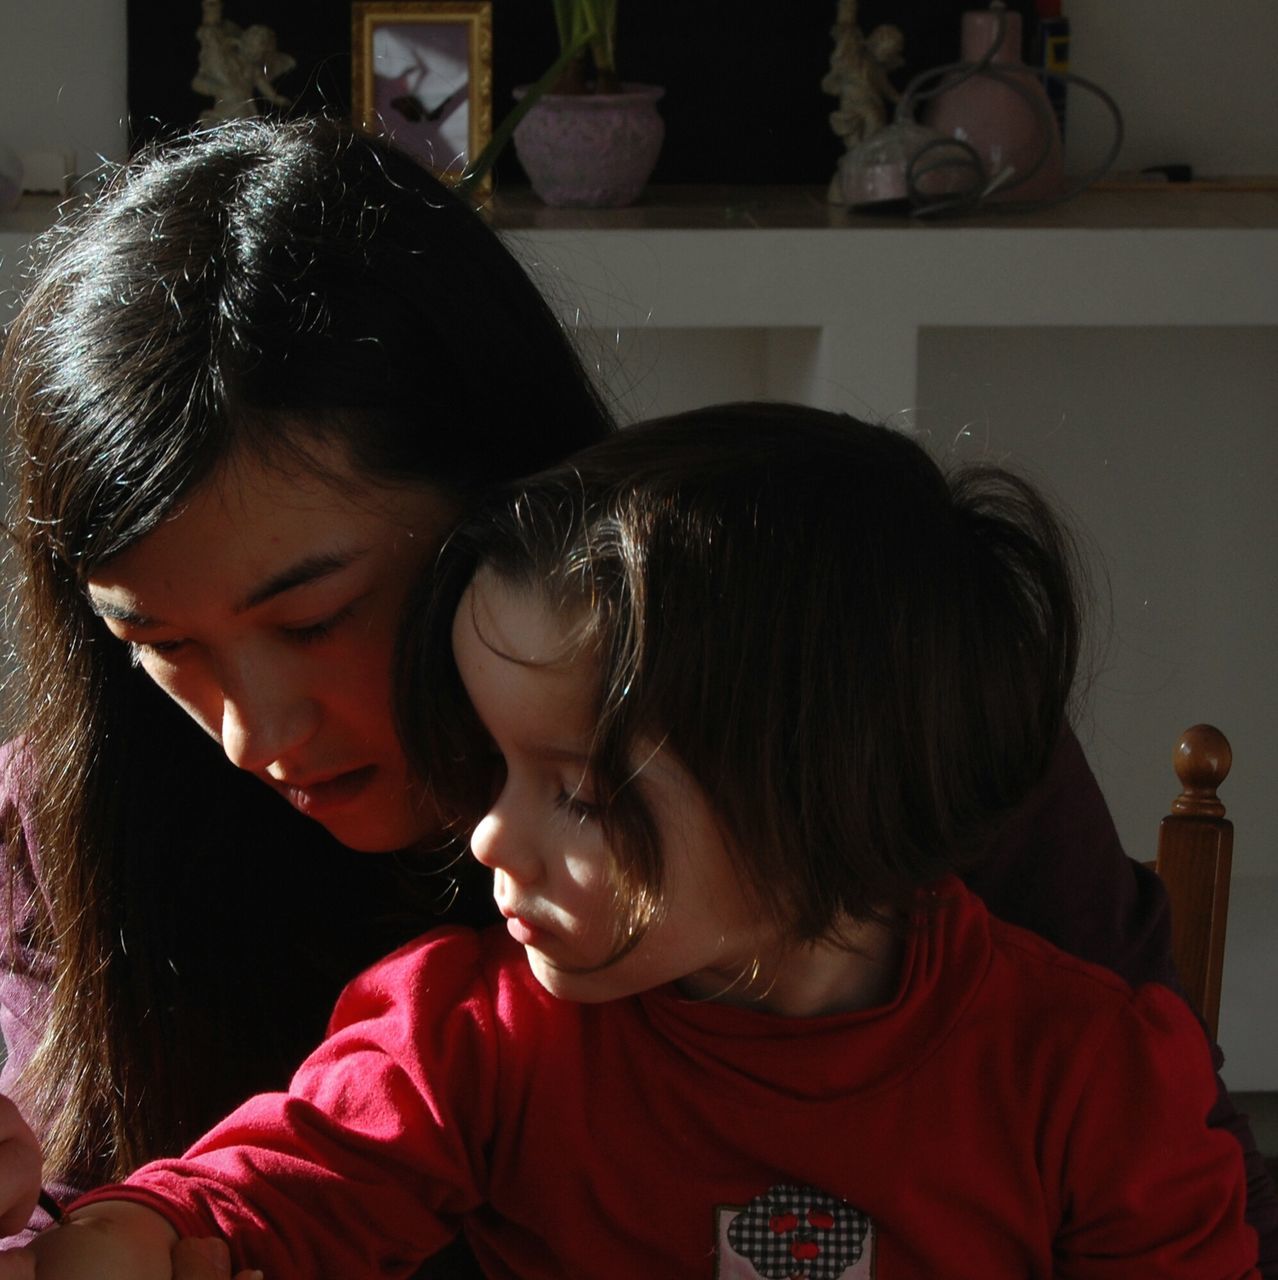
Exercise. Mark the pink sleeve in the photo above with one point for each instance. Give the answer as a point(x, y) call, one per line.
point(26, 967)
point(367, 1163)
point(26, 971)
point(1150, 1189)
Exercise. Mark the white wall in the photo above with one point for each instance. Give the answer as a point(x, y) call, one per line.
point(63, 78)
point(1195, 82)
point(1163, 444)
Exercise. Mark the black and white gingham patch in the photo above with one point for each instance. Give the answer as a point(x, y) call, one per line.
point(799, 1231)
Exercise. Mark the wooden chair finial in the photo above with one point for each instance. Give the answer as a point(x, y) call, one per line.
point(1195, 855)
point(1202, 760)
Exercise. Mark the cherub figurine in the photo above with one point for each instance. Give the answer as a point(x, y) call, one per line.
point(238, 66)
point(858, 77)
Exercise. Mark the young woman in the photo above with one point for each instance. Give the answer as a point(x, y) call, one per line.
point(743, 1019)
point(206, 751)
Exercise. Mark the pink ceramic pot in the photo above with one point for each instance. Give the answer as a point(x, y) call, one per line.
point(592, 150)
point(994, 118)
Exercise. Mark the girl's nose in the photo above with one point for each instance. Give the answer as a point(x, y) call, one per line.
point(264, 719)
point(498, 845)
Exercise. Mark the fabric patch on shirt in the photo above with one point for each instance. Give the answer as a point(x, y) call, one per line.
point(794, 1233)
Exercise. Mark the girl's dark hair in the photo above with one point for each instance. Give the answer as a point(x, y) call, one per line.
point(259, 287)
point(862, 662)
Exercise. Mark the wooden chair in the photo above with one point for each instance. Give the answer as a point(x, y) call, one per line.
point(1195, 853)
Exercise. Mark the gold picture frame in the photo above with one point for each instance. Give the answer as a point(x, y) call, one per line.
point(422, 76)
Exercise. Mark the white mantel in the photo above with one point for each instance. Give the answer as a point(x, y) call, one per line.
point(783, 261)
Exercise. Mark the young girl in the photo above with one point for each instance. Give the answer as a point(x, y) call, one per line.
point(723, 705)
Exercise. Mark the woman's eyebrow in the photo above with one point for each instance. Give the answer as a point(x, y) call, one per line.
point(305, 571)
point(120, 613)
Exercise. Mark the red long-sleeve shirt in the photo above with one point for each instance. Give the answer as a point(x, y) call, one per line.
point(1012, 1112)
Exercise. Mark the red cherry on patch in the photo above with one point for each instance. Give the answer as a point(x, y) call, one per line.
point(805, 1250)
point(820, 1219)
point(782, 1222)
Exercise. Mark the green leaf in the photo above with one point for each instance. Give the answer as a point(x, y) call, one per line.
point(604, 45)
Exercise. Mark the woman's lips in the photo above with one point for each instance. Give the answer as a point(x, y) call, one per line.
point(317, 798)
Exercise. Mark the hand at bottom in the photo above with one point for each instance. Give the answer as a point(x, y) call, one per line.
point(19, 1169)
point(206, 1260)
point(192, 1260)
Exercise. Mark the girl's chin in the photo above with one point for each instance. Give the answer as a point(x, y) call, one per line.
point(594, 987)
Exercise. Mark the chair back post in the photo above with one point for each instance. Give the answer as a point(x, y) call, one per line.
point(1195, 855)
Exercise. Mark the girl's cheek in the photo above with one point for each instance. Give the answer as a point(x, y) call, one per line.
point(588, 873)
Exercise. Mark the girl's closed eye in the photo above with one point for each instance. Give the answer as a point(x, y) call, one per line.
point(575, 804)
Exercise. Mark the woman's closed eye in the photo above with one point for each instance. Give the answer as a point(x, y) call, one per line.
point(311, 632)
point(302, 633)
point(139, 650)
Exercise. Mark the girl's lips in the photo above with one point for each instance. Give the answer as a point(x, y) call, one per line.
point(523, 930)
point(527, 935)
point(317, 798)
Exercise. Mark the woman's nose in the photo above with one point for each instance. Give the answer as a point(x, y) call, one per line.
point(499, 845)
point(264, 718)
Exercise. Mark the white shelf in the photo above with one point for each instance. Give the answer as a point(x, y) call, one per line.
point(783, 260)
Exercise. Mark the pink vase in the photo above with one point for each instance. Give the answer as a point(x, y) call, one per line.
point(591, 150)
point(993, 117)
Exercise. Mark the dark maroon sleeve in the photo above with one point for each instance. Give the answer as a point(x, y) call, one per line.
point(1059, 870)
point(26, 972)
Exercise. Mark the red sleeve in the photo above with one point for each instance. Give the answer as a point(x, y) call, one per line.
point(365, 1166)
point(1150, 1189)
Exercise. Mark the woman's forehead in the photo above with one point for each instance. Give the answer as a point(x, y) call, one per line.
point(253, 528)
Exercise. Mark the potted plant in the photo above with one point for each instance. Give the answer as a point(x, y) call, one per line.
point(588, 34)
point(583, 136)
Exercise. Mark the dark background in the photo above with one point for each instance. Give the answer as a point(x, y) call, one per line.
point(743, 101)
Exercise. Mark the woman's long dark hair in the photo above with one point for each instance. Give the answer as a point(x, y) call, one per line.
point(252, 287)
point(865, 663)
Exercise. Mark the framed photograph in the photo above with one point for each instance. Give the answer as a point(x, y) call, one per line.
point(421, 75)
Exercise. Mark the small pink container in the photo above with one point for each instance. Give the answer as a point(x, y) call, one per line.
point(993, 117)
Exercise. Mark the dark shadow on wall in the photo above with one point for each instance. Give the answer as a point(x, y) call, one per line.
point(743, 97)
